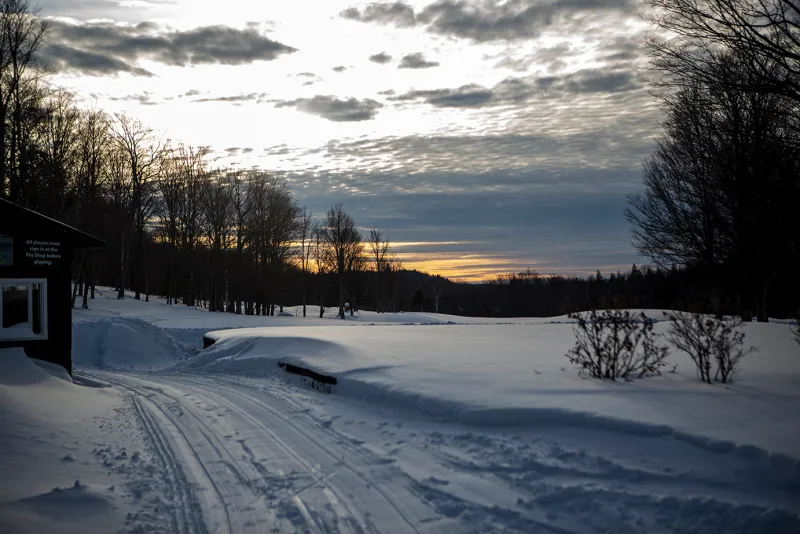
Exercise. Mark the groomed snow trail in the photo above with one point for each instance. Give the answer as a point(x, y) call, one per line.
point(235, 455)
point(234, 459)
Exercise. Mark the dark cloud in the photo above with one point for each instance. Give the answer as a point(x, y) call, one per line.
point(519, 90)
point(74, 45)
point(190, 92)
point(310, 78)
point(339, 68)
point(247, 150)
point(381, 58)
point(62, 58)
point(145, 98)
point(471, 95)
point(621, 50)
point(336, 109)
point(233, 150)
point(605, 142)
point(416, 61)
point(397, 13)
point(387, 92)
point(490, 21)
point(278, 150)
point(235, 99)
point(594, 81)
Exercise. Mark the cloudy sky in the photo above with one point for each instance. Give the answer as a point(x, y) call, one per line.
point(482, 136)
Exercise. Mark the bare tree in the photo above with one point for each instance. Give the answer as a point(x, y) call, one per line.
point(720, 187)
point(392, 277)
point(241, 209)
point(143, 153)
point(120, 197)
point(344, 248)
point(192, 168)
point(437, 286)
point(217, 201)
point(679, 220)
point(765, 33)
point(93, 140)
point(21, 37)
point(59, 144)
point(318, 253)
point(271, 230)
point(379, 250)
point(305, 226)
point(172, 190)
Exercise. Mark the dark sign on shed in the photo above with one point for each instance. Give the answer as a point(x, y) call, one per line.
point(35, 283)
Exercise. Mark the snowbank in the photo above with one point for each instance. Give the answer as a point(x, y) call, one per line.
point(129, 343)
point(19, 370)
point(517, 375)
point(63, 510)
point(53, 369)
point(49, 429)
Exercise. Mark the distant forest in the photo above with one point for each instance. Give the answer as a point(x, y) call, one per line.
point(718, 216)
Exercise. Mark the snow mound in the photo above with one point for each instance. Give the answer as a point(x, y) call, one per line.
point(258, 357)
point(78, 509)
point(53, 370)
point(73, 503)
point(20, 370)
point(124, 344)
point(517, 375)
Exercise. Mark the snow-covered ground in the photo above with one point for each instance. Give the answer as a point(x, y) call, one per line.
point(63, 459)
point(437, 424)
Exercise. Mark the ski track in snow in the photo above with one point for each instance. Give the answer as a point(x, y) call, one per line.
point(186, 519)
point(270, 470)
point(267, 462)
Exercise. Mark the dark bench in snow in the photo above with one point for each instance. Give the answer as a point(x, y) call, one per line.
point(317, 379)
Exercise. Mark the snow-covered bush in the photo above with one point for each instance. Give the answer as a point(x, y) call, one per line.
point(616, 344)
point(710, 343)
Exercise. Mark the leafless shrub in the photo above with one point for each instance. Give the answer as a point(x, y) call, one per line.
point(710, 343)
point(616, 344)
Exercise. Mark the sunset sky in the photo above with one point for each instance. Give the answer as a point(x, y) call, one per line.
point(482, 136)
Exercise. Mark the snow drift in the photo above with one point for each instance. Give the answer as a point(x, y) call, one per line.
point(47, 422)
point(516, 375)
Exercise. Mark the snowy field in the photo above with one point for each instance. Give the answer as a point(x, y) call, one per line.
point(437, 424)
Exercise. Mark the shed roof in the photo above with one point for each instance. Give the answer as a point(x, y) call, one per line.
point(24, 218)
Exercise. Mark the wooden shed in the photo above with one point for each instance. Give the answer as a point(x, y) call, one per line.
point(35, 283)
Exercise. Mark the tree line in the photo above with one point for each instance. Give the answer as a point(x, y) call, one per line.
point(532, 294)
